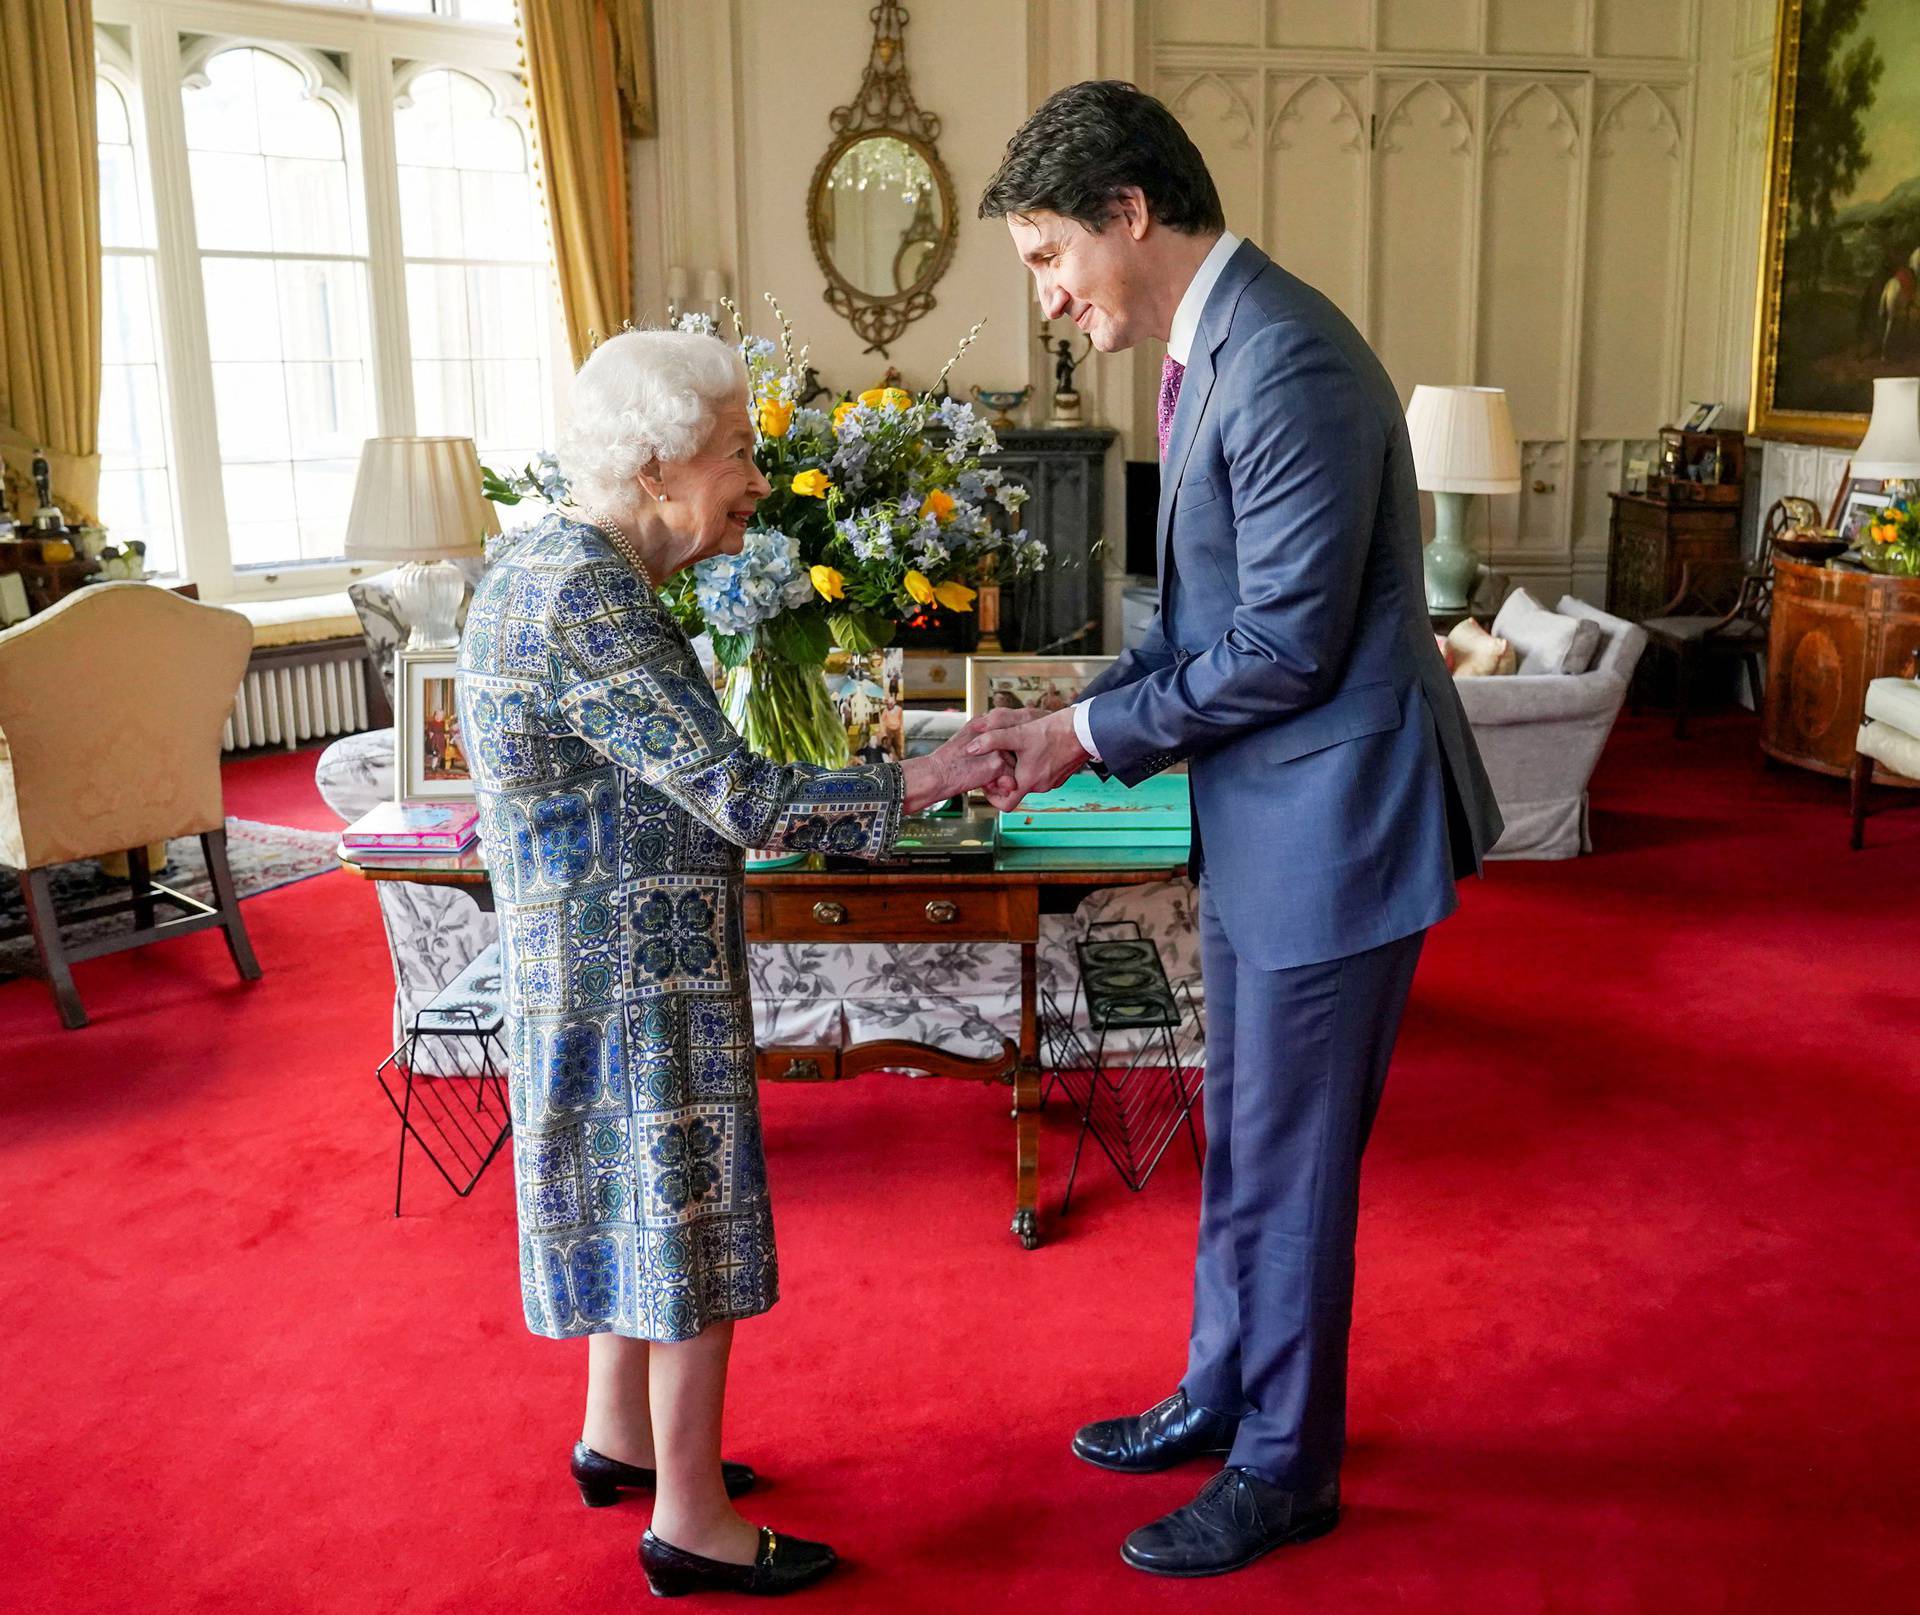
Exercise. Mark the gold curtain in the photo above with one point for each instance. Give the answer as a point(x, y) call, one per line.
point(49, 252)
point(589, 67)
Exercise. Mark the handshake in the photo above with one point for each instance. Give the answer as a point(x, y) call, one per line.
point(1006, 753)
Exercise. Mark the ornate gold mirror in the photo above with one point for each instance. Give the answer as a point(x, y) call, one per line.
point(880, 209)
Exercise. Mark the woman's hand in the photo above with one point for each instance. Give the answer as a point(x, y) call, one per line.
point(952, 770)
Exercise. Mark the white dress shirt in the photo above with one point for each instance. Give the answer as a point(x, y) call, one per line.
point(1186, 326)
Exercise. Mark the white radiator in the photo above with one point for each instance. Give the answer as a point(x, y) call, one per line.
point(286, 705)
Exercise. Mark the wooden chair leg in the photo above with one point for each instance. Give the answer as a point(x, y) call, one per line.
point(214, 846)
point(1862, 781)
point(140, 877)
point(37, 889)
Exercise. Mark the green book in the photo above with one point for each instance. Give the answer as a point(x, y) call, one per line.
point(1090, 811)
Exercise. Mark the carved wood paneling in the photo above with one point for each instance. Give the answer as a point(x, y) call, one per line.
point(1208, 22)
point(1632, 262)
point(1316, 181)
point(1644, 28)
point(1536, 27)
point(1529, 208)
point(1319, 24)
point(1424, 181)
point(1429, 25)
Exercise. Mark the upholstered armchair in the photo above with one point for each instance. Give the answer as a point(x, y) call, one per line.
point(111, 705)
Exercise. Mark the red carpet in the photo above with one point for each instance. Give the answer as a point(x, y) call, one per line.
point(1635, 1328)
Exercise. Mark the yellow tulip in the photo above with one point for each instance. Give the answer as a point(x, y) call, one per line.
point(938, 505)
point(841, 412)
point(920, 588)
point(953, 595)
point(814, 484)
point(775, 417)
point(886, 397)
point(830, 584)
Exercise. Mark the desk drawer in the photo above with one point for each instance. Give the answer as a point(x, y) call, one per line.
point(933, 912)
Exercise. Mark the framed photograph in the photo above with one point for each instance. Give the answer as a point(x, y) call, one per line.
point(935, 675)
point(866, 687)
point(1700, 416)
point(430, 759)
point(1862, 505)
point(1839, 295)
point(1043, 682)
point(1637, 476)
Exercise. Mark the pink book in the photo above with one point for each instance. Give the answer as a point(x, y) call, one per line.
point(414, 827)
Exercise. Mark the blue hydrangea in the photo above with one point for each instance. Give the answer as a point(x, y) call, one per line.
point(739, 592)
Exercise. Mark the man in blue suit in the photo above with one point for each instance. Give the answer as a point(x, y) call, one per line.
point(1337, 794)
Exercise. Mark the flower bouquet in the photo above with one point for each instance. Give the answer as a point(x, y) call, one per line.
point(879, 507)
point(1891, 541)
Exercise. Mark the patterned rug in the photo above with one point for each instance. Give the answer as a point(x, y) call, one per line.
point(263, 856)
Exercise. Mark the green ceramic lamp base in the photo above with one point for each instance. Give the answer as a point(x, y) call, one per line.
point(1451, 566)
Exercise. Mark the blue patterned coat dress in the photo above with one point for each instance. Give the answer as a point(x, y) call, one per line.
point(614, 802)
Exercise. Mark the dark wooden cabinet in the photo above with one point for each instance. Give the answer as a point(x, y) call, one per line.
point(1650, 542)
point(1065, 475)
point(1832, 633)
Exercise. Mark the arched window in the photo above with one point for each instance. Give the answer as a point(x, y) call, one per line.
point(479, 306)
point(283, 262)
point(136, 485)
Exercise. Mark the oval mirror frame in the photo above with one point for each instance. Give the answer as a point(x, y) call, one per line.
point(880, 317)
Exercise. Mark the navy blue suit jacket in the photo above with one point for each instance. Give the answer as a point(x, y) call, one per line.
point(1337, 792)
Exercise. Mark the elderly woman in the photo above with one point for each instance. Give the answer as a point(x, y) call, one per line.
point(614, 802)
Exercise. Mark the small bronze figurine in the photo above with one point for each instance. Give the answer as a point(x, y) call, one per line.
point(1066, 397)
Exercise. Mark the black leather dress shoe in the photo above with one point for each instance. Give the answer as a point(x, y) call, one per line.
point(784, 1564)
point(1168, 1433)
point(1236, 1518)
point(601, 1479)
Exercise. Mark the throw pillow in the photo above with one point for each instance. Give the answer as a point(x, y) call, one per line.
point(1546, 641)
point(1446, 650)
point(1477, 653)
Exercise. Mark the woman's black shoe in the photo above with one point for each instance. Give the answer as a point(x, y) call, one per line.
point(600, 1479)
point(784, 1564)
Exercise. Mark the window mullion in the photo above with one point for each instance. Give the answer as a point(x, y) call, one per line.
point(386, 268)
point(198, 501)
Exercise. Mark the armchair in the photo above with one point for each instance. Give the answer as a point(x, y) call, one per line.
point(135, 762)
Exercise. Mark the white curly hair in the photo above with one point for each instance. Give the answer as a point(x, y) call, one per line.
point(644, 396)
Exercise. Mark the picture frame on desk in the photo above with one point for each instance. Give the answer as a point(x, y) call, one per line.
point(1863, 503)
point(1044, 682)
point(430, 758)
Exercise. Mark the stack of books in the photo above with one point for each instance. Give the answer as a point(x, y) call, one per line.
point(411, 828)
point(1088, 811)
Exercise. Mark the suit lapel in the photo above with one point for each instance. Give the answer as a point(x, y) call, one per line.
point(1196, 386)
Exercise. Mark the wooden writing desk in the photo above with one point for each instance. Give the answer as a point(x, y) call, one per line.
point(809, 903)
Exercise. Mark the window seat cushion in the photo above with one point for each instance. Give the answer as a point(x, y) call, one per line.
point(306, 621)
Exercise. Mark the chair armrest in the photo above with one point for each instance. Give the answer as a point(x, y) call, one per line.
point(1540, 697)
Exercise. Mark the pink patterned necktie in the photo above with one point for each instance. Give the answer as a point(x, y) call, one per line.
point(1171, 370)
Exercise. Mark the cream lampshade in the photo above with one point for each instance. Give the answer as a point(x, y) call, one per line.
point(1890, 451)
point(418, 500)
point(1463, 444)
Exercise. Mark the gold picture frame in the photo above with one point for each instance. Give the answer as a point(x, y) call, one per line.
point(1813, 359)
point(1048, 682)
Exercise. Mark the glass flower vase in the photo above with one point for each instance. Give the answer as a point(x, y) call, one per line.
point(783, 711)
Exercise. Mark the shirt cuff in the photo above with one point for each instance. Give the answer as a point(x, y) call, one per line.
point(1083, 728)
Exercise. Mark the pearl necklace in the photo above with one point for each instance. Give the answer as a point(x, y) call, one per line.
point(609, 529)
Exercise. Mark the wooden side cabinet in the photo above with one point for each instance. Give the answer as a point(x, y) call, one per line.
point(1649, 543)
point(1832, 633)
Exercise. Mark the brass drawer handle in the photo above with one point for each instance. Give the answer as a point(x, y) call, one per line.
point(830, 913)
point(943, 912)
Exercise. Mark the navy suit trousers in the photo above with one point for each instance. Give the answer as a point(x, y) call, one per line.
point(1296, 1060)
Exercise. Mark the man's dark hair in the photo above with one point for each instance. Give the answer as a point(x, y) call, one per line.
point(1088, 143)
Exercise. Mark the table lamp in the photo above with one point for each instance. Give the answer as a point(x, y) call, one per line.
point(1463, 444)
point(417, 500)
point(1890, 452)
